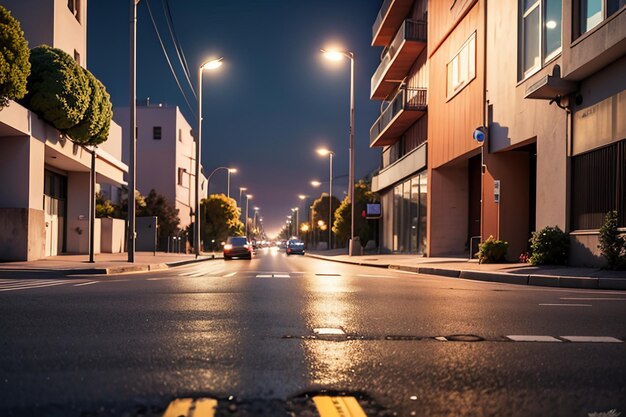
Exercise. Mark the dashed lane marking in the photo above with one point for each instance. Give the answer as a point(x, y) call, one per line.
point(592, 299)
point(564, 305)
point(281, 276)
point(86, 283)
point(187, 407)
point(264, 276)
point(273, 276)
point(591, 339)
point(338, 406)
point(328, 331)
point(441, 339)
point(232, 274)
point(533, 338)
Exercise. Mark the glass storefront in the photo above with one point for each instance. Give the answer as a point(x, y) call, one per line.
point(409, 215)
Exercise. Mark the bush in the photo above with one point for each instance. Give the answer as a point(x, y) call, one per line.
point(14, 63)
point(59, 90)
point(612, 244)
point(93, 129)
point(492, 251)
point(550, 246)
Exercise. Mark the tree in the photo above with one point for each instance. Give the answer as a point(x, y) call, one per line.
point(104, 208)
point(58, 88)
point(362, 227)
point(93, 129)
point(157, 205)
point(14, 63)
point(221, 217)
point(320, 209)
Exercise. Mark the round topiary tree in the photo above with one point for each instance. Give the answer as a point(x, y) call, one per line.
point(14, 63)
point(93, 129)
point(59, 90)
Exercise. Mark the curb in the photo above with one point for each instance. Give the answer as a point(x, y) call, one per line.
point(502, 277)
point(137, 268)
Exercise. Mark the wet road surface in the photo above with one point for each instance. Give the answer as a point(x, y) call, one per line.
point(261, 336)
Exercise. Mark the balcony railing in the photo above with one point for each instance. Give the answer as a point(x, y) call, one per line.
point(381, 17)
point(410, 31)
point(407, 99)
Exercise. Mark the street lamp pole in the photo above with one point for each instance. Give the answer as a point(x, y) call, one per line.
point(132, 134)
point(211, 65)
point(248, 197)
point(336, 56)
point(229, 170)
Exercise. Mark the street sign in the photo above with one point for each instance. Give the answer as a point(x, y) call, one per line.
point(373, 211)
point(496, 191)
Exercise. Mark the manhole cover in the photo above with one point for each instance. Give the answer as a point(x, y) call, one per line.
point(464, 338)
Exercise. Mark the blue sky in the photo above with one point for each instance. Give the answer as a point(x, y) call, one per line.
point(273, 102)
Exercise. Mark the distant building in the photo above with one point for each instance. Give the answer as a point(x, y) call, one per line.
point(166, 155)
point(44, 178)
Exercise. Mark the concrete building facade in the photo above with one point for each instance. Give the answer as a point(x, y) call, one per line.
point(166, 155)
point(400, 83)
point(543, 79)
point(44, 195)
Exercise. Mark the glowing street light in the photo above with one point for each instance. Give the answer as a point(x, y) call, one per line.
point(325, 152)
point(229, 170)
point(315, 183)
point(208, 65)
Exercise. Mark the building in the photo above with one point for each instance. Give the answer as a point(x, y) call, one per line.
point(44, 195)
point(166, 155)
point(401, 84)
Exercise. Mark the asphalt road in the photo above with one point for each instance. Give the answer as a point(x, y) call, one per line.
point(244, 332)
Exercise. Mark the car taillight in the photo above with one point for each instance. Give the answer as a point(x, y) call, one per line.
point(228, 247)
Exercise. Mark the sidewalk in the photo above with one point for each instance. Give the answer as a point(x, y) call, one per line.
point(105, 263)
point(511, 273)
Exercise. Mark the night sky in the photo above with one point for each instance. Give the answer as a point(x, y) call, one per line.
point(274, 101)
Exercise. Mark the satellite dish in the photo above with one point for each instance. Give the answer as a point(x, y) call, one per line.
point(480, 134)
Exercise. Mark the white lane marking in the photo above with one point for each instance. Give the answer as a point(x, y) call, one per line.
point(232, 274)
point(281, 276)
point(328, 331)
point(374, 276)
point(86, 283)
point(31, 282)
point(264, 276)
point(591, 339)
point(157, 279)
point(441, 339)
point(533, 338)
point(33, 286)
point(565, 305)
point(592, 299)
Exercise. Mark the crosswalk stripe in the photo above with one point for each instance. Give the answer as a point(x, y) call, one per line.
point(328, 406)
point(29, 287)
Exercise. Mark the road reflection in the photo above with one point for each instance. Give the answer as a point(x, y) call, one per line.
point(332, 363)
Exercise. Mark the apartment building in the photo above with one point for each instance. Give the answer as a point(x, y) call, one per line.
point(401, 131)
point(166, 155)
point(44, 190)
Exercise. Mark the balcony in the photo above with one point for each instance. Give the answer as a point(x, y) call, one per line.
point(398, 58)
point(408, 105)
point(389, 18)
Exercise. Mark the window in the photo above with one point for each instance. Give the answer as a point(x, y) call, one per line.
point(181, 175)
point(462, 68)
point(76, 57)
point(74, 6)
point(593, 12)
point(599, 186)
point(180, 135)
point(156, 133)
point(540, 33)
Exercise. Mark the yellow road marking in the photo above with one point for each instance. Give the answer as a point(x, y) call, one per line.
point(338, 406)
point(181, 407)
point(205, 407)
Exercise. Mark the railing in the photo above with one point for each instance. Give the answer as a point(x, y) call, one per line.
point(407, 98)
point(411, 30)
point(381, 16)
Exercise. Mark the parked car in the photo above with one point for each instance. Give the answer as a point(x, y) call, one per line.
point(237, 247)
point(295, 246)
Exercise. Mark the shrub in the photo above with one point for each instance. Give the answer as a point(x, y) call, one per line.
point(93, 129)
point(492, 251)
point(104, 208)
point(59, 90)
point(14, 63)
point(550, 246)
point(612, 244)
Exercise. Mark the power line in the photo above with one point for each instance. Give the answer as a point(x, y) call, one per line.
point(177, 46)
point(168, 59)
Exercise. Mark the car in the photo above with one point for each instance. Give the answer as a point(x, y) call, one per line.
point(237, 247)
point(295, 246)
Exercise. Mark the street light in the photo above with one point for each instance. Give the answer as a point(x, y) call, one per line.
point(209, 65)
point(229, 170)
point(248, 198)
point(335, 55)
point(132, 134)
point(324, 152)
point(315, 183)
